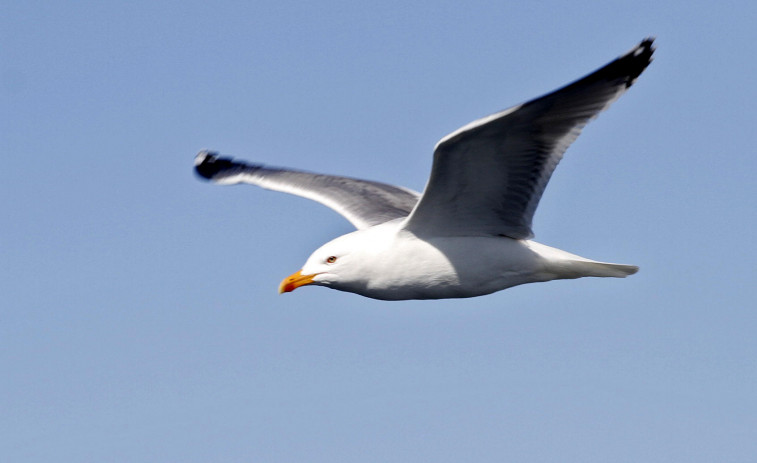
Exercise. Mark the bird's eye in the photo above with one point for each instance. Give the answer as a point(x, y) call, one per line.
point(331, 259)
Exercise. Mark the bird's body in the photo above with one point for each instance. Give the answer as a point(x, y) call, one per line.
point(469, 234)
point(388, 262)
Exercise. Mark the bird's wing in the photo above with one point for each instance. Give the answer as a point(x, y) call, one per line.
point(362, 202)
point(488, 176)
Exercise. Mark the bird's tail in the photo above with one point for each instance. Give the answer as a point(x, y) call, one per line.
point(591, 268)
point(561, 264)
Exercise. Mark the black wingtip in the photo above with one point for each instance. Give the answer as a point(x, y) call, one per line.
point(635, 61)
point(208, 164)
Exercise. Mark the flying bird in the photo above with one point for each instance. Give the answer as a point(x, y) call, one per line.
point(469, 233)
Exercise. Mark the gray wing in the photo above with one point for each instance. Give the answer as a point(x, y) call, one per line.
point(362, 202)
point(488, 176)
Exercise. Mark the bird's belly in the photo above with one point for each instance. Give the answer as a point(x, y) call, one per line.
point(454, 267)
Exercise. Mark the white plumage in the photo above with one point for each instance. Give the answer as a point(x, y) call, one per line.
point(469, 233)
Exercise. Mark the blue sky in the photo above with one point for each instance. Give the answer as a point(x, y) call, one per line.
point(140, 319)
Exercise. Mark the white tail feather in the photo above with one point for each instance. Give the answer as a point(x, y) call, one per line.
point(590, 268)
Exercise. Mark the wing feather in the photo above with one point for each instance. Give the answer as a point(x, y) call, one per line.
point(364, 203)
point(488, 176)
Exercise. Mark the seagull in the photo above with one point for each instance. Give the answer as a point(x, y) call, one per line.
point(469, 233)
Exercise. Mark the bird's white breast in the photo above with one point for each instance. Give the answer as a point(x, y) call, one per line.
point(395, 264)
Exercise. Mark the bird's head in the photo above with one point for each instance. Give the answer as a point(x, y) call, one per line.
point(333, 265)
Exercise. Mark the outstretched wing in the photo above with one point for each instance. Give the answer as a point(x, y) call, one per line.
point(489, 175)
point(362, 202)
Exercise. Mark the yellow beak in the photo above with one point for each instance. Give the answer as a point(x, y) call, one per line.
point(294, 281)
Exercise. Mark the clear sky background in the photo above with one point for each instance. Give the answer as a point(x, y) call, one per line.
point(139, 316)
